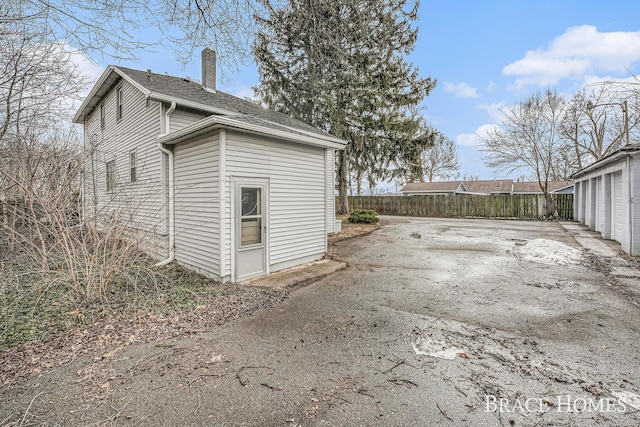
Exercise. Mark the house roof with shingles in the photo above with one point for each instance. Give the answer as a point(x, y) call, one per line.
point(534, 187)
point(499, 186)
point(433, 187)
point(489, 186)
point(191, 95)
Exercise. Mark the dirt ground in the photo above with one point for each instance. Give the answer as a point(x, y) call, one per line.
point(433, 322)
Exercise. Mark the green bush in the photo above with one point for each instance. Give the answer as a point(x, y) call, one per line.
point(363, 216)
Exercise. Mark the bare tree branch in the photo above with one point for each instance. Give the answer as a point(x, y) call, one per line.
point(441, 160)
point(529, 139)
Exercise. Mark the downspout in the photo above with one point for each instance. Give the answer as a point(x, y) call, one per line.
point(172, 224)
point(167, 128)
point(629, 178)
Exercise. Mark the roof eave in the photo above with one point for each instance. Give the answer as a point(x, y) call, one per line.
point(600, 163)
point(82, 113)
point(92, 94)
point(212, 122)
point(632, 150)
point(155, 96)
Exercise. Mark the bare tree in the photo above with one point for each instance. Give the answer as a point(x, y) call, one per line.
point(600, 130)
point(41, 161)
point(441, 160)
point(113, 28)
point(529, 139)
point(37, 82)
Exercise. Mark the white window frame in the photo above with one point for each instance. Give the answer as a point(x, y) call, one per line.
point(103, 116)
point(133, 166)
point(110, 176)
point(119, 102)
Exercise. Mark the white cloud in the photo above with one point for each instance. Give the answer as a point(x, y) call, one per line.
point(579, 52)
point(491, 86)
point(494, 109)
point(461, 90)
point(474, 140)
point(86, 66)
point(468, 140)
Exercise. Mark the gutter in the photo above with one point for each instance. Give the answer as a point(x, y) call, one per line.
point(172, 213)
point(327, 141)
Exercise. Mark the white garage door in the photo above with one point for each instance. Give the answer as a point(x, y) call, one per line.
point(617, 203)
point(599, 205)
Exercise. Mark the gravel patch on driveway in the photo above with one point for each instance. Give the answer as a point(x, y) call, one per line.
point(534, 343)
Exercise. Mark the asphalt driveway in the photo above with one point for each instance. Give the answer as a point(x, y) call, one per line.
point(434, 322)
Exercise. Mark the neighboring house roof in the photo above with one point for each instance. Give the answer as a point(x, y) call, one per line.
point(489, 186)
point(555, 186)
point(502, 186)
point(534, 187)
point(613, 157)
point(189, 94)
point(433, 187)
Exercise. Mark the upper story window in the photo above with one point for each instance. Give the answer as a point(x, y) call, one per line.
point(103, 116)
point(119, 101)
point(111, 175)
point(133, 167)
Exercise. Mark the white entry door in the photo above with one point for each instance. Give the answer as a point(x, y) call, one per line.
point(250, 221)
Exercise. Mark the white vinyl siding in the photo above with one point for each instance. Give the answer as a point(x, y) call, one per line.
point(182, 118)
point(297, 221)
point(197, 225)
point(143, 203)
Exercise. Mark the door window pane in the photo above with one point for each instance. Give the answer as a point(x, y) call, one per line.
point(251, 201)
point(251, 231)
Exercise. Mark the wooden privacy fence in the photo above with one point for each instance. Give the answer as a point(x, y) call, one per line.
point(516, 206)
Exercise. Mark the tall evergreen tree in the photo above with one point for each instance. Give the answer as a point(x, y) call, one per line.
point(340, 65)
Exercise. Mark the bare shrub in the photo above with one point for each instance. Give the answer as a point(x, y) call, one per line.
point(43, 217)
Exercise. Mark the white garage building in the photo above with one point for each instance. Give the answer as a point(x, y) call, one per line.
point(604, 197)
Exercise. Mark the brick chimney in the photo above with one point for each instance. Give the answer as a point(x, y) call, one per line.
point(209, 70)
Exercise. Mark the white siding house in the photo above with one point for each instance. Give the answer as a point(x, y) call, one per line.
point(606, 195)
point(215, 183)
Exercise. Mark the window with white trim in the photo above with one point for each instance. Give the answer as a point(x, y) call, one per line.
point(133, 171)
point(119, 103)
point(110, 168)
point(103, 116)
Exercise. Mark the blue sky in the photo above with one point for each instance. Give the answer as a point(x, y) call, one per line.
point(486, 55)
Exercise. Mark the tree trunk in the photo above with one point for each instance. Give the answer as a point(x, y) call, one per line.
point(551, 210)
point(342, 207)
point(577, 148)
